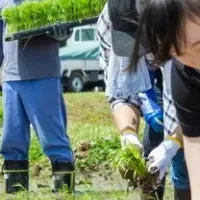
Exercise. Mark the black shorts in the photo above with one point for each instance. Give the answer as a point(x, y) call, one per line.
point(186, 96)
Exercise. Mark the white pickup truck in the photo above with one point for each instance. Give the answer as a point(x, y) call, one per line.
point(79, 60)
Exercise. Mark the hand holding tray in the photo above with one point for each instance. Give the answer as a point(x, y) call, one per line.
point(48, 30)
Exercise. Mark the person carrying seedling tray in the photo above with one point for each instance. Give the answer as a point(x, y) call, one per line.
point(32, 94)
point(122, 88)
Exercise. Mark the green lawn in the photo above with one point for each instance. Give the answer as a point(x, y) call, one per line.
point(89, 121)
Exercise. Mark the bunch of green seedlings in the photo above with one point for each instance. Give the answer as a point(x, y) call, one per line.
point(36, 14)
point(132, 166)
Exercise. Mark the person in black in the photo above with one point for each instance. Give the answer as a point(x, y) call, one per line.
point(172, 28)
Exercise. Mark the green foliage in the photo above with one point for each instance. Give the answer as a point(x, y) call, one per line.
point(102, 150)
point(132, 166)
point(35, 14)
point(89, 119)
point(130, 158)
point(36, 153)
point(48, 195)
point(1, 116)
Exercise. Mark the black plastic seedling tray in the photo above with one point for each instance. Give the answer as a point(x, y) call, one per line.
point(48, 30)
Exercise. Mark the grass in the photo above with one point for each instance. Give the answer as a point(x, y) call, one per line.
point(35, 14)
point(65, 196)
point(132, 166)
point(90, 122)
point(131, 159)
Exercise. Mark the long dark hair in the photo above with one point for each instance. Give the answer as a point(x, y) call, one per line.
point(162, 22)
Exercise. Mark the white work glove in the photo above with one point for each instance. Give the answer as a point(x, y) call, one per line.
point(160, 158)
point(131, 138)
point(127, 139)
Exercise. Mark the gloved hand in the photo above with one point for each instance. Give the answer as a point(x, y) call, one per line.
point(152, 113)
point(160, 158)
point(131, 138)
point(60, 32)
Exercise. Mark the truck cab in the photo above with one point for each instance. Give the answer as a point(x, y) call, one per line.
point(79, 59)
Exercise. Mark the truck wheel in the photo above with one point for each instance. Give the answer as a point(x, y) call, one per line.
point(76, 83)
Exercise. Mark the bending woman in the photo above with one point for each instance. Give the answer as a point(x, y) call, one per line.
point(172, 28)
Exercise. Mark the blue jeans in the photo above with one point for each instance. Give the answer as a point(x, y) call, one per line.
point(39, 102)
point(179, 173)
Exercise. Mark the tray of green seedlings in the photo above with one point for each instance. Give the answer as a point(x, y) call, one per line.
point(32, 18)
point(48, 30)
point(132, 166)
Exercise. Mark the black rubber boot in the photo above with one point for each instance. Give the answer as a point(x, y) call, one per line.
point(182, 194)
point(16, 176)
point(63, 176)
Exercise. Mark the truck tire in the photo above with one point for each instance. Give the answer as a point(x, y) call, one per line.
point(76, 83)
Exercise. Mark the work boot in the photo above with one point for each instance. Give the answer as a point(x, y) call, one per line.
point(182, 194)
point(16, 176)
point(63, 176)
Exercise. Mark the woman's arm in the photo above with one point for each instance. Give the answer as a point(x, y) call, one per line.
point(127, 119)
point(160, 157)
point(126, 114)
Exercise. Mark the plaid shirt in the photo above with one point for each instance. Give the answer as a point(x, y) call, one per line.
point(104, 36)
point(120, 84)
point(170, 118)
